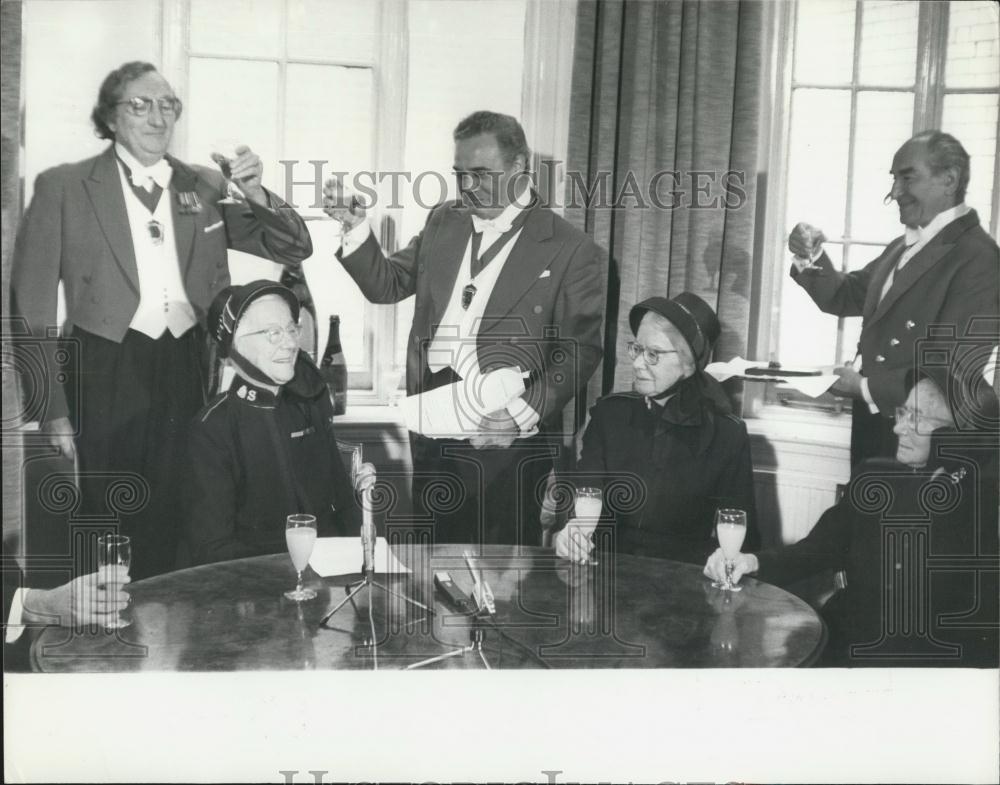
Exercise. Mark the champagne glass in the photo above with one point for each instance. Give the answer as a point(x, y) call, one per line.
point(587, 505)
point(223, 154)
point(114, 551)
point(300, 536)
point(731, 529)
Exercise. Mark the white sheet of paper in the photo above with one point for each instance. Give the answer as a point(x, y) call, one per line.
point(813, 386)
point(342, 556)
point(735, 367)
point(454, 411)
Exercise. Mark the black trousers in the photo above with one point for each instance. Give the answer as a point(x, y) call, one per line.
point(488, 496)
point(135, 403)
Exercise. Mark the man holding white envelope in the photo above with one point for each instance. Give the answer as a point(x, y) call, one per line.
point(501, 283)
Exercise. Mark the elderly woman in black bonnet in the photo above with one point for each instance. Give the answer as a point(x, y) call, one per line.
point(670, 453)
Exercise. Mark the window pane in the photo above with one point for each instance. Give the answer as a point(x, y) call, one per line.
point(327, 117)
point(441, 93)
point(236, 27)
point(860, 254)
point(817, 159)
point(884, 122)
point(332, 30)
point(807, 335)
point(334, 292)
point(973, 57)
point(824, 42)
point(889, 43)
point(972, 119)
point(856, 257)
point(232, 101)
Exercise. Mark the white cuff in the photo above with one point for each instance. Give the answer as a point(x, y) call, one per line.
point(866, 394)
point(14, 625)
point(525, 417)
point(354, 238)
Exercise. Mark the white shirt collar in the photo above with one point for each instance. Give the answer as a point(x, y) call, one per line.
point(924, 234)
point(503, 222)
point(159, 173)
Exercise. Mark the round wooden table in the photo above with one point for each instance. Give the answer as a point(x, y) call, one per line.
point(624, 612)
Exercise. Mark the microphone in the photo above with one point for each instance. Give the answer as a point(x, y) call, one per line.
point(367, 531)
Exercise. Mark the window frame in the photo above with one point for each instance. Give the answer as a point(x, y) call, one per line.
point(929, 90)
point(369, 385)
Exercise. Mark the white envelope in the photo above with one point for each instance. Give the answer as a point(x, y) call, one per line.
point(343, 556)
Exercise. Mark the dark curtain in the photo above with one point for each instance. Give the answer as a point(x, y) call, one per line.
point(664, 117)
point(10, 189)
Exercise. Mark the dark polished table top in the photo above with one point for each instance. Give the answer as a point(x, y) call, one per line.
point(625, 612)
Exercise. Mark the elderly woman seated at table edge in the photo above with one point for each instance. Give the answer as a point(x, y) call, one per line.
point(670, 453)
point(266, 448)
point(937, 501)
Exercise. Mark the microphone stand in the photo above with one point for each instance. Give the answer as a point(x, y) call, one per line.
point(484, 617)
point(368, 581)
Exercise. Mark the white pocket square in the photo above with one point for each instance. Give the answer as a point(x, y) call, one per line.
point(213, 227)
point(545, 274)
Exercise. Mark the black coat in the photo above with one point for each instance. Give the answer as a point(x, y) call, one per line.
point(916, 547)
point(666, 470)
point(256, 458)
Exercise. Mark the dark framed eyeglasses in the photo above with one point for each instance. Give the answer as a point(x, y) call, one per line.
point(649, 356)
point(917, 422)
point(275, 333)
point(139, 106)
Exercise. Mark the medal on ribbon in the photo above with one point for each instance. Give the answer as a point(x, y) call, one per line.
point(188, 202)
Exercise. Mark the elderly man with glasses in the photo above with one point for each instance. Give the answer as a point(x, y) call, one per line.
point(670, 453)
point(265, 449)
point(139, 242)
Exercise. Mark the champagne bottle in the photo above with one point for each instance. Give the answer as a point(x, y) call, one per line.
point(295, 279)
point(334, 367)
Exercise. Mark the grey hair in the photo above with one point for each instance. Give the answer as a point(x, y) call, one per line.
point(944, 151)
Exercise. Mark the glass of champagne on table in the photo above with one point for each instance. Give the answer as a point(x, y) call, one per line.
point(114, 551)
point(731, 529)
point(300, 536)
point(223, 154)
point(587, 505)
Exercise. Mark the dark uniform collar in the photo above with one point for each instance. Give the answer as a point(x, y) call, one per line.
point(688, 411)
point(306, 384)
point(252, 394)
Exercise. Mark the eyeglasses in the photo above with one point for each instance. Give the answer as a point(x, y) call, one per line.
point(909, 419)
point(274, 334)
point(650, 356)
point(139, 106)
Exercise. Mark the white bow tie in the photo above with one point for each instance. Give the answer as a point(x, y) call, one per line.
point(159, 173)
point(495, 224)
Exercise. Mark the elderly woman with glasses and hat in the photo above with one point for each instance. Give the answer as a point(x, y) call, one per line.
point(266, 448)
point(670, 453)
